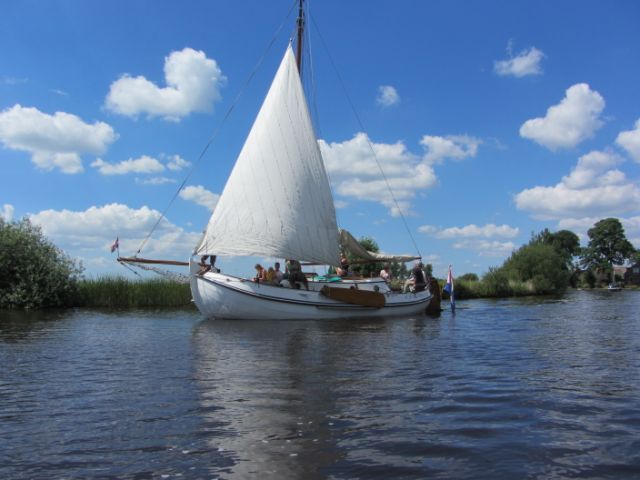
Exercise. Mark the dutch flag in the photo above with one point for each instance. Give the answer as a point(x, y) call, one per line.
point(449, 289)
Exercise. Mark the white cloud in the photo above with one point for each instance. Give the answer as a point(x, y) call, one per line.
point(144, 164)
point(193, 85)
point(200, 195)
point(572, 121)
point(469, 231)
point(54, 141)
point(387, 96)
point(355, 173)
point(7, 212)
point(527, 62)
point(630, 141)
point(94, 230)
point(176, 162)
point(486, 248)
point(155, 181)
point(591, 189)
point(456, 147)
point(476, 238)
point(14, 80)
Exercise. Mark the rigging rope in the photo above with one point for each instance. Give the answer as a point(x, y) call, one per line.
point(384, 176)
point(176, 277)
point(218, 128)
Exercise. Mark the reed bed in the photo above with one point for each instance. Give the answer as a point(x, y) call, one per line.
point(120, 292)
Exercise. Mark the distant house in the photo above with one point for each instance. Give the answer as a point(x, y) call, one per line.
point(632, 275)
point(619, 272)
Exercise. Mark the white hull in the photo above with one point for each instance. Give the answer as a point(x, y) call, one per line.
point(223, 296)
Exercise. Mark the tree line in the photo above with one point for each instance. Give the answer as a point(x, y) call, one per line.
point(553, 261)
point(34, 273)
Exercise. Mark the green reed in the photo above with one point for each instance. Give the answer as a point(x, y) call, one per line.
point(120, 292)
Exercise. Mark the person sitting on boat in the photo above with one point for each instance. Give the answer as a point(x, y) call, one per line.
point(204, 268)
point(417, 281)
point(212, 263)
point(295, 275)
point(277, 274)
point(343, 270)
point(385, 273)
point(268, 278)
point(261, 274)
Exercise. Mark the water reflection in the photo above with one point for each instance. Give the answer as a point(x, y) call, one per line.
point(505, 389)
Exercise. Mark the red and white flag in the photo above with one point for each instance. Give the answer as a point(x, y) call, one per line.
point(115, 246)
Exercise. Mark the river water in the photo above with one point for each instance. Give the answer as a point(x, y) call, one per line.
point(519, 388)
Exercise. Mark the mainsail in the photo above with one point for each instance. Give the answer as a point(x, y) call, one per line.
point(277, 201)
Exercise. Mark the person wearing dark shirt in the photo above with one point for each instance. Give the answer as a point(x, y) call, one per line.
point(417, 280)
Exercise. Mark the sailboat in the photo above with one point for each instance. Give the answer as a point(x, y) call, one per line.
point(277, 203)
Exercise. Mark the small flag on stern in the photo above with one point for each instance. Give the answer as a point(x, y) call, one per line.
point(115, 246)
point(449, 289)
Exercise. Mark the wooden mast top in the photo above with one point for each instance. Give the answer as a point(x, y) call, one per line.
point(300, 23)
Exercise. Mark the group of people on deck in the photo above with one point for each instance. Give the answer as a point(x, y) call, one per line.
point(294, 277)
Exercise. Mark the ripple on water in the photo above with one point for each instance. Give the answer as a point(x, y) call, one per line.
point(518, 388)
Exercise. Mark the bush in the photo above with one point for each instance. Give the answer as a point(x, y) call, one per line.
point(496, 283)
point(540, 265)
point(469, 277)
point(34, 273)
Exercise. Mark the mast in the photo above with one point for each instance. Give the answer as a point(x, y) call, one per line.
point(300, 23)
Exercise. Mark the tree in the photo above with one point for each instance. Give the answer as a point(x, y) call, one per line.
point(608, 246)
point(541, 265)
point(34, 273)
point(366, 269)
point(469, 277)
point(565, 242)
point(398, 270)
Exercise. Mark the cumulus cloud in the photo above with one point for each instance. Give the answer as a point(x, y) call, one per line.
point(200, 195)
point(355, 173)
point(387, 96)
point(14, 80)
point(7, 212)
point(470, 231)
point(94, 229)
point(593, 188)
point(568, 123)
point(54, 141)
point(176, 162)
point(154, 181)
point(486, 248)
point(527, 62)
point(144, 164)
point(476, 238)
point(456, 147)
point(630, 141)
point(193, 85)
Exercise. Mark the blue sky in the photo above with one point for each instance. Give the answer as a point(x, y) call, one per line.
point(492, 120)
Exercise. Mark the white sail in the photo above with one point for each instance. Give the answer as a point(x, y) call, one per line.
point(277, 201)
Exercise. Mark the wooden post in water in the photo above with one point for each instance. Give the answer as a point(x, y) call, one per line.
point(434, 305)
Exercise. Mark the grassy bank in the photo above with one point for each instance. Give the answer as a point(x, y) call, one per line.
point(119, 292)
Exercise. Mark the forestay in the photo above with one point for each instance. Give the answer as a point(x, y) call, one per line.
point(277, 201)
